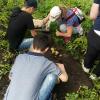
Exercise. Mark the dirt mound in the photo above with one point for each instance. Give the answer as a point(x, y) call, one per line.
point(77, 77)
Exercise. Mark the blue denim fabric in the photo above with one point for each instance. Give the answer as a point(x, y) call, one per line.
point(26, 43)
point(76, 30)
point(47, 87)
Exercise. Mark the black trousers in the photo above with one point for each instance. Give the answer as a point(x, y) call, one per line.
point(93, 50)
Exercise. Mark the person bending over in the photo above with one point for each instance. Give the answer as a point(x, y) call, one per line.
point(33, 76)
point(68, 21)
point(20, 21)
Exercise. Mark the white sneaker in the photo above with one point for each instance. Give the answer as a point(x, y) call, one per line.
point(84, 68)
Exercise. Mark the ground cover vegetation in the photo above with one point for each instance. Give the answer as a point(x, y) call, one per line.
point(76, 47)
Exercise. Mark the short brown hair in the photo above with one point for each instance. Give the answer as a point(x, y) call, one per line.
point(41, 42)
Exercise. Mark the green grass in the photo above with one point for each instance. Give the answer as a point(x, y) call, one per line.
point(77, 47)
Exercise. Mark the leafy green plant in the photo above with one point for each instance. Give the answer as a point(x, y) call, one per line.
point(58, 41)
point(84, 94)
point(77, 47)
point(5, 56)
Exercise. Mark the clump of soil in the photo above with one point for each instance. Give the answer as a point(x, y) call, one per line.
point(3, 85)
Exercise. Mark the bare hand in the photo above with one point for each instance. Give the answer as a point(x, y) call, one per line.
point(33, 33)
point(57, 33)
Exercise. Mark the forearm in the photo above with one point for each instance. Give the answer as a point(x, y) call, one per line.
point(45, 20)
point(64, 76)
point(64, 34)
point(67, 34)
point(63, 71)
point(38, 23)
point(94, 11)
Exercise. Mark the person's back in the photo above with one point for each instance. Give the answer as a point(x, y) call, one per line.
point(20, 21)
point(72, 20)
point(29, 74)
point(17, 27)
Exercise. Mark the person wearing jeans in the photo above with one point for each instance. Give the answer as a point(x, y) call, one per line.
point(20, 21)
point(47, 87)
point(68, 21)
point(25, 44)
point(33, 76)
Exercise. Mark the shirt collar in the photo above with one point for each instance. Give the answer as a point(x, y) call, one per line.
point(35, 53)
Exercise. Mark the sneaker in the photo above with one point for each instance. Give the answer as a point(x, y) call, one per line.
point(84, 68)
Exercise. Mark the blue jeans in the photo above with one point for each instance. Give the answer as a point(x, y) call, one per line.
point(26, 44)
point(78, 29)
point(47, 87)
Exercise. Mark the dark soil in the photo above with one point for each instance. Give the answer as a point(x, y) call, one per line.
point(3, 85)
point(76, 79)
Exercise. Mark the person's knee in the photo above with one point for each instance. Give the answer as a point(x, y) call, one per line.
point(63, 28)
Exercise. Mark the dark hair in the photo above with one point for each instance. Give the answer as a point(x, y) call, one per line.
point(63, 12)
point(41, 42)
point(31, 3)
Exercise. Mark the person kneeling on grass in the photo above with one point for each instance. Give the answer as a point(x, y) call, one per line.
point(33, 76)
point(20, 21)
point(68, 21)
